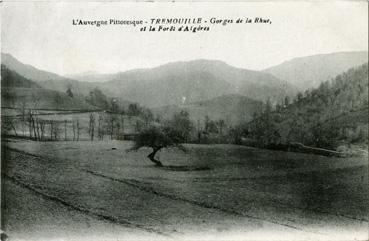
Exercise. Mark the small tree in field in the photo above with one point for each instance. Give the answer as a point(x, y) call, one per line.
point(69, 91)
point(158, 138)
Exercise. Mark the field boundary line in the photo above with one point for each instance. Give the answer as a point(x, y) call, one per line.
point(196, 203)
point(83, 210)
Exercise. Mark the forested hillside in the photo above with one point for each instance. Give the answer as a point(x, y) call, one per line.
point(10, 78)
point(333, 114)
point(39, 98)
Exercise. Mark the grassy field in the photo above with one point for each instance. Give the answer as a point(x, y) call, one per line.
point(216, 191)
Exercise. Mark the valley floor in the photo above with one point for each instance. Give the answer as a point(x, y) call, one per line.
point(98, 191)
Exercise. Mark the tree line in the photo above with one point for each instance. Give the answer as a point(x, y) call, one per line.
point(334, 113)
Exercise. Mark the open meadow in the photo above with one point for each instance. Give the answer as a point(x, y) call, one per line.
point(217, 191)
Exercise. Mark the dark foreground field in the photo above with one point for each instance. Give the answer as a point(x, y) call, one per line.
point(97, 191)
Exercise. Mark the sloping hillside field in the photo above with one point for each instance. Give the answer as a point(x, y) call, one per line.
point(98, 189)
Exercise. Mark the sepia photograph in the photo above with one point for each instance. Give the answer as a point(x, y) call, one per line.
point(189, 121)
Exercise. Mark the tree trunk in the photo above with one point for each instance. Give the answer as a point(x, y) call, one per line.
point(42, 130)
point(30, 125)
point(34, 128)
point(151, 156)
point(51, 130)
point(65, 130)
point(78, 130)
point(13, 127)
point(112, 128)
point(38, 129)
point(74, 131)
point(122, 124)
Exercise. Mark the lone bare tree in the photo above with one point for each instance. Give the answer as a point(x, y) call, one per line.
point(158, 138)
point(100, 132)
point(91, 129)
point(78, 129)
point(65, 130)
point(22, 109)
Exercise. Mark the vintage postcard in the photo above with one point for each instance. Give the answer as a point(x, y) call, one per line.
point(184, 120)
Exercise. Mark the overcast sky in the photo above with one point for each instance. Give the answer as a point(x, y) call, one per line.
point(42, 34)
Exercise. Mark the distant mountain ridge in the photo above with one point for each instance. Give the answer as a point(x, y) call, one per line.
point(24, 84)
point(91, 76)
point(169, 84)
point(47, 80)
point(196, 80)
point(199, 80)
point(308, 72)
point(26, 70)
